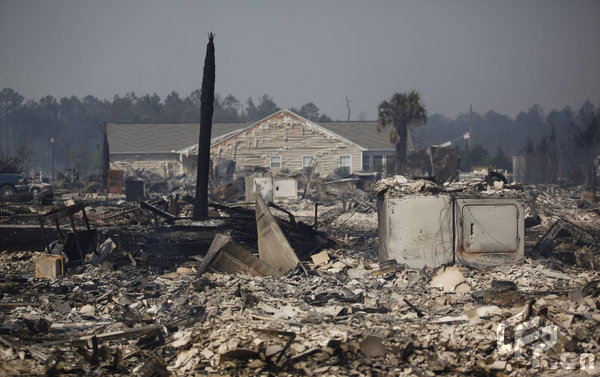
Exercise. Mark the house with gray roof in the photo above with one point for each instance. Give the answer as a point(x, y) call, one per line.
point(283, 141)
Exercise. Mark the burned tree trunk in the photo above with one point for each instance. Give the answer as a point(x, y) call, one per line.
point(206, 114)
point(400, 138)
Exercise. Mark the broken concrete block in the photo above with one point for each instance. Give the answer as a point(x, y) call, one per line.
point(185, 270)
point(320, 259)
point(331, 310)
point(450, 279)
point(181, 339)
point(564, 320)
point(451, 319)
point(273, 349)
point(207, 354)
point(257, 363)
point(88, 310)
point(485, 311)
point(503, 293)
point(184, 361)
point(372, 346)
point(357, 273)
point(497, 365)
point(49, 266)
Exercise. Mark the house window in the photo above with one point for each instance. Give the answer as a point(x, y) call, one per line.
point(366, 162)
point(346, 164)
point(377, 160)
point(275, 162)
point(307, 161)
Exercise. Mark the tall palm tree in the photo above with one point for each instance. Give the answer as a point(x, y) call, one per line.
point(402, 110)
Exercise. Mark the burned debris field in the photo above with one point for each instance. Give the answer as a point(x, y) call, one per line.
point(339, 188)
point(258, 289)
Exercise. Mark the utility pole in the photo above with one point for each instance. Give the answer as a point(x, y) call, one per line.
point(105, 161)
point(207, 98)
point(470, 140)
point(348, 106)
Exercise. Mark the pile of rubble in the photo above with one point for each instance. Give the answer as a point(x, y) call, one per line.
point(493, 185)
point(349, 316)
point(344, 312)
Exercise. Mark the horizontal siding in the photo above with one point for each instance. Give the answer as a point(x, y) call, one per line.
point(284, 135)
point(289, 138)
point(161, 165)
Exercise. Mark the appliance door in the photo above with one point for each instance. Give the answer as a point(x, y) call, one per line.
point(490, 228)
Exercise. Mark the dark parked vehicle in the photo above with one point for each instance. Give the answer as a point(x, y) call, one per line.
point(10, 184)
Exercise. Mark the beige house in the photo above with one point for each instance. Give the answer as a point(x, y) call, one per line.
point(282, 142)
point(159, 148)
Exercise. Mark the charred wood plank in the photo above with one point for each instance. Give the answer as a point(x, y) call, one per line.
point(157, 211)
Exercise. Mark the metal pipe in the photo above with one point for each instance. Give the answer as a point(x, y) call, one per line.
point(52, 156)
point(453, 202)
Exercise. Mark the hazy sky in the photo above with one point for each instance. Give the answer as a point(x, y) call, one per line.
point(500, 55)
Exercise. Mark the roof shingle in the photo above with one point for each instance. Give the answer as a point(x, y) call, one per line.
point(363, 133)
point(160, 137)
point(167, 137)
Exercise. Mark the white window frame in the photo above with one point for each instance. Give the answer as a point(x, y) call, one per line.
point(312, 161)
point(349, 166)
point(275, 160)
